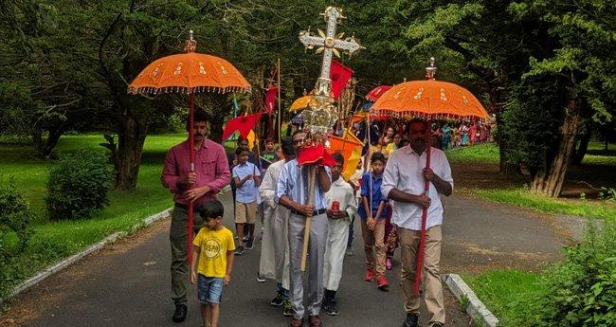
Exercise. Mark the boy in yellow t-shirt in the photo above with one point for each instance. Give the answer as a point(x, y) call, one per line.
point(212, 261)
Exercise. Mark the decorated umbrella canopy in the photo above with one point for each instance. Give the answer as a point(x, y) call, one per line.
point(189, 73)
point(430, 100)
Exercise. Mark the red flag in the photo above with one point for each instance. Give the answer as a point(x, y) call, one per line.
point(340, 76)
point(242, 124)
point(270, 99)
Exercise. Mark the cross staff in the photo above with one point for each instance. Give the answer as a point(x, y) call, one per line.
point(328, 43)
point(322, 113)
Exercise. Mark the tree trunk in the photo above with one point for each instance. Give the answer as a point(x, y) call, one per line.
point(37, 140)
point(580, 152)
point(131, 138)
point(549, 179)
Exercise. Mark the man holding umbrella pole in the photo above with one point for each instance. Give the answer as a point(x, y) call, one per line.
point(210, 175)
point(404, 182)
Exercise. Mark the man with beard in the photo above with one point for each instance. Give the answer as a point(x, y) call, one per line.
point(403, 182)
point(211, 174)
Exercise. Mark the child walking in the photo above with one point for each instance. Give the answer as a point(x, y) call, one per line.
point(246, 179)
point(341, 207)
point(373, 215)
point(212, 261)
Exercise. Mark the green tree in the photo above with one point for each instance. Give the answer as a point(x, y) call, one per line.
point(581, 66)
point(543, 65)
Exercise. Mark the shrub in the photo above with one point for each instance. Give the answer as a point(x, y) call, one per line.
point(79, 185)
point(581, 291)
point(15, 216)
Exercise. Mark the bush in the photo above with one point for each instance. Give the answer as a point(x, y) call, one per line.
point(581, 291)
point(79, 185)
point(15, 216)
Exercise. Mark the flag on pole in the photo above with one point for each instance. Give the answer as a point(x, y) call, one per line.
point(350, 147)
point(270, 99)
point(340, 76)
point(242, 124)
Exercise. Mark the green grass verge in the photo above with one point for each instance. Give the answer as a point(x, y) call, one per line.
point(597, 154)
point(523, 198)
point(489, 153)
point(485, 153)
point(51, 241)
point(500, 290)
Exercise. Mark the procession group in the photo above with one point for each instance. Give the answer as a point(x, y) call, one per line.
point(388, 197)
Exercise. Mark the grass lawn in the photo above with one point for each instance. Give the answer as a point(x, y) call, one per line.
point(53, 240)
point(470, 166)
point(486, 153)
point(499, 290)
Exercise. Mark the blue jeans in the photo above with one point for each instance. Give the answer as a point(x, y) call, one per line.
point(209, 289)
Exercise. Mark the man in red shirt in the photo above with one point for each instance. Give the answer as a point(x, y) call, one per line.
point(210, 176)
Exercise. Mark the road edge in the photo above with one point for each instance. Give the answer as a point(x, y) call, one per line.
point(475, 308)
point(65, 263)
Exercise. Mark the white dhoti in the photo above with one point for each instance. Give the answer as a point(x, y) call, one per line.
point(335, 250)
point(281, 246)
point(274, 262)
point(267, 262)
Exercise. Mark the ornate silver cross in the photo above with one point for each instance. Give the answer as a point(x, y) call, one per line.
point(323, 113)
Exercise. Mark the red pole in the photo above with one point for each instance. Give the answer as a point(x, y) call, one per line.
point(424, 218)
point(191, 142)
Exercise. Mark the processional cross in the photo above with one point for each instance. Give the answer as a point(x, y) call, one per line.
point(322, 113)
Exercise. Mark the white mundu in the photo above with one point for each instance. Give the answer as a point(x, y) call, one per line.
point(274, 262)
point(338, 234)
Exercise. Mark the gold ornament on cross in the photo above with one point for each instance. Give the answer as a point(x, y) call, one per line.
point(322, 114)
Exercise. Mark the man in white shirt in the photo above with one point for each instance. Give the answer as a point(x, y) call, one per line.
point(403, 182)
point(274, 262)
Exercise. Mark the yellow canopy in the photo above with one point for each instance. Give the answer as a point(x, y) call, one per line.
point(300, 103)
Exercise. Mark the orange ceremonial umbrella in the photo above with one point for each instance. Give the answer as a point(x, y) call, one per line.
point(189, 73)
point(430, 100)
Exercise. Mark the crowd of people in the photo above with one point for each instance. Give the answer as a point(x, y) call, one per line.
point(386, 194)
point(385, 137)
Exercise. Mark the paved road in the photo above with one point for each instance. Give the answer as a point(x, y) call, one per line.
point(127, 284)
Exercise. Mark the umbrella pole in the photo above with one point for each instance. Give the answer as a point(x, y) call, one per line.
point(424, 218)
point(191, 141)
point(311, 181)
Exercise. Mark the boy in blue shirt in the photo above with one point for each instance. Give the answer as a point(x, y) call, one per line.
point(373, 215)
point(246, 179)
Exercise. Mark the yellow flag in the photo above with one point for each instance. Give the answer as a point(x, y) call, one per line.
point(251, 139)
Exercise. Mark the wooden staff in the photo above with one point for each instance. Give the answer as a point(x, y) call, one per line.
point(424, 219)
point(311, 181)
point(279, 104)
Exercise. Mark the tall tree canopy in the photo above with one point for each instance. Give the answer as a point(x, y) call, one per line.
point(544, 67)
